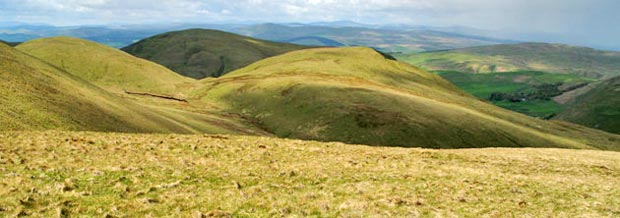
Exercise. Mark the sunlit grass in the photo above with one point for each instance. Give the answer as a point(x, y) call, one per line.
point(47, 174)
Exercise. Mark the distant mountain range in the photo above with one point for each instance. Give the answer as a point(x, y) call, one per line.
point(553, 58)
point(388, 39)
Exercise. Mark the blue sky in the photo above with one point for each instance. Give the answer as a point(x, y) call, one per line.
point(582, 21)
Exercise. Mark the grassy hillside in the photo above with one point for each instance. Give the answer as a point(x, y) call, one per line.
point(356, 95)
point(36, 95)
point(200, 53)
point(39, 96)
point(527, 92)
point(51, 174)
point(104, 66)
point(598, 108)
point(553, 58)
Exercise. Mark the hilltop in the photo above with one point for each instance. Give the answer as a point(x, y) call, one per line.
point(356, 95)
point(599, 107)
point(200, 53)
point(104, 66)
point(38, 96)
point(52, 174)
point(551, 58)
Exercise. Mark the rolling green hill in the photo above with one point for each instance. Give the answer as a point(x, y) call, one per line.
point(597, 108)
point(84, 174)
point(200, 53)
point(104, 66)
point(356, 95)
point(552, 58)
point(36, 95)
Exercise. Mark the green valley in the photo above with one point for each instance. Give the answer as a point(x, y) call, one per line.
point(531, 93)
point(538, 79)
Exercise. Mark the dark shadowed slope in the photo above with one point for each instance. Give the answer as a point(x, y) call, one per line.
point(598, 108)
point(200, 53)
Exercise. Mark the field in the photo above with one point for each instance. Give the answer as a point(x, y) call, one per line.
point(484, 85)
point(50, 174)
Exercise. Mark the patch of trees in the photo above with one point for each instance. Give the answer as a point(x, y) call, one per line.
point(544, 91)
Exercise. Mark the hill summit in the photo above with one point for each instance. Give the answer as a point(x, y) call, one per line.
point(357, 95)
point(200, 53)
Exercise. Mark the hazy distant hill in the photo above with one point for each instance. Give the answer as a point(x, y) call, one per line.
point(314, 41)
point(200, 53)
point(9, 43)
point(386, 39)
point(552, 58)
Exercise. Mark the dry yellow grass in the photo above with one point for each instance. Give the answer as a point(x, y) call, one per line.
point(47, 174)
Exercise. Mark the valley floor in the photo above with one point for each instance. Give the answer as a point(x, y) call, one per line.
point(45, 174)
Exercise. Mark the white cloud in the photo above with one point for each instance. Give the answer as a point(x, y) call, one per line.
point(576, 17)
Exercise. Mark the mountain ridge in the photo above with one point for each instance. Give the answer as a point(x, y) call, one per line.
point(547, 57)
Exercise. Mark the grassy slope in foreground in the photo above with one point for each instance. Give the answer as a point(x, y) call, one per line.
point(104, 66)
point(355, 95)
point(50, 174)
point(553, 58)
point(199, 53)
point(598, 108)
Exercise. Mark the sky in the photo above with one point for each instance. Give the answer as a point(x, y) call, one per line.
point(592, 22)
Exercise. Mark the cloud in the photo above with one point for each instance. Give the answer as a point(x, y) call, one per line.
point(591, 19)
